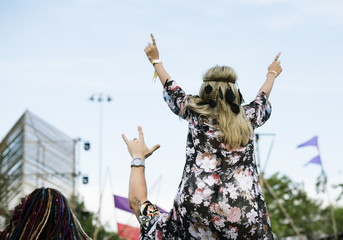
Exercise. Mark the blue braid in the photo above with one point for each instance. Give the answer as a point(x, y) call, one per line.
point(59, 224)
point(55, 213)
point(21, 224)
point(73, 229)
point(66, 231)
point(43, 192)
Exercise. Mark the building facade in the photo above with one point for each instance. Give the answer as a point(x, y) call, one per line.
point(34, 154)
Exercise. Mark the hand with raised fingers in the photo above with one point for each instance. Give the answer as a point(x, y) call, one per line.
point(151, 50)
point(137, 147)
point(275, 68)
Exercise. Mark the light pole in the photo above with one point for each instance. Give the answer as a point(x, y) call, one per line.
point(100, 98)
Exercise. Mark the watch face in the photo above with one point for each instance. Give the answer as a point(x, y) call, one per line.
point(137, 162)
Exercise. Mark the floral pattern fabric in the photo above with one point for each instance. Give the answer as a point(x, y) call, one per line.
point(219, 196)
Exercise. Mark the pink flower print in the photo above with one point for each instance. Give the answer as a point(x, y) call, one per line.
point(215, 219)
point(213, 179)
point(217, 222)
point(175, 214)
point(174, 86)
point(216, 177)
point(208, 161)
point(201, 184)
point(190, 191)
point(221, 189)
point(213, 207)
point(207, 192)
point(223, 208)
point(233, 232)
point(197, 199)
point(158, 235)
point(234, 214)
point(199, 191)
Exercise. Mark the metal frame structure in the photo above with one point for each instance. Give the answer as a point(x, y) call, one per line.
point(34, 154)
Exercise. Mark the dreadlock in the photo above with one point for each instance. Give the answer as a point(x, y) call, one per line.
point(43, 214)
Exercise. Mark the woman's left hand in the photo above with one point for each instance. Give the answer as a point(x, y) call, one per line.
point(151, 50)
point(275, 67)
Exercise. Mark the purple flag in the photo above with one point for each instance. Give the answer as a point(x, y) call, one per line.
point(123, 204)
point(315, 160)
point(312, 142)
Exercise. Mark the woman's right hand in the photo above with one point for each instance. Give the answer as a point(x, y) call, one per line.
point(137, 147)
point(275, 67)
point(151, 50)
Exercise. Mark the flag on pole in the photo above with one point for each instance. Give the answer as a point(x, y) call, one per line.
point(322, 179)
point(128, 232)
point(315, 160)
point(123, 204)
point(312, 142)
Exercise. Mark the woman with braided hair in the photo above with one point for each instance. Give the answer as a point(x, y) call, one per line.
point(43, 214)
point(219, 196)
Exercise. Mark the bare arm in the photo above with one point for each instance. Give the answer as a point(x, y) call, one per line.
point(153, 54)
point(137, 189)
point(137, 186)
point(273, 71)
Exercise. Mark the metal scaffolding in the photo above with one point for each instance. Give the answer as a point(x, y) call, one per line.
point(32, 155)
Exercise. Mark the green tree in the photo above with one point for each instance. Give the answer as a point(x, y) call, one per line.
point(306, 213)
point(338, 213)
point(339, 219)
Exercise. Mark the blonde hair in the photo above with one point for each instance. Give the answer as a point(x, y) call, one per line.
point(235, 129)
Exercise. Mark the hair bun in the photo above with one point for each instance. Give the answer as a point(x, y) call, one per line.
point(221, 74)
point(232, 79)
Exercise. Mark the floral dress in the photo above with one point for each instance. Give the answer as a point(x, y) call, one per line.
point(219, 196)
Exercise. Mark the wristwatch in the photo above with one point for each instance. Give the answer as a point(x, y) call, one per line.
point(137, 162)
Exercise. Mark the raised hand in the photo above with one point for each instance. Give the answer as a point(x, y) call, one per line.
point(151, 50)
point(137, 147)
point(275, 67)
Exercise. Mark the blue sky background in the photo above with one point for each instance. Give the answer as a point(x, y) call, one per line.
point(55, 54)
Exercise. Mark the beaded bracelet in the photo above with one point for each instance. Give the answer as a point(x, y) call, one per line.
point(272, 71)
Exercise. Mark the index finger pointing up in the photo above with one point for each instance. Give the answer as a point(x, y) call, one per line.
point(153, 39)
point(140, 131)
point(277, 56)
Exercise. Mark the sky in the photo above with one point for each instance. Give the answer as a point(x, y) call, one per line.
point(54, 55)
